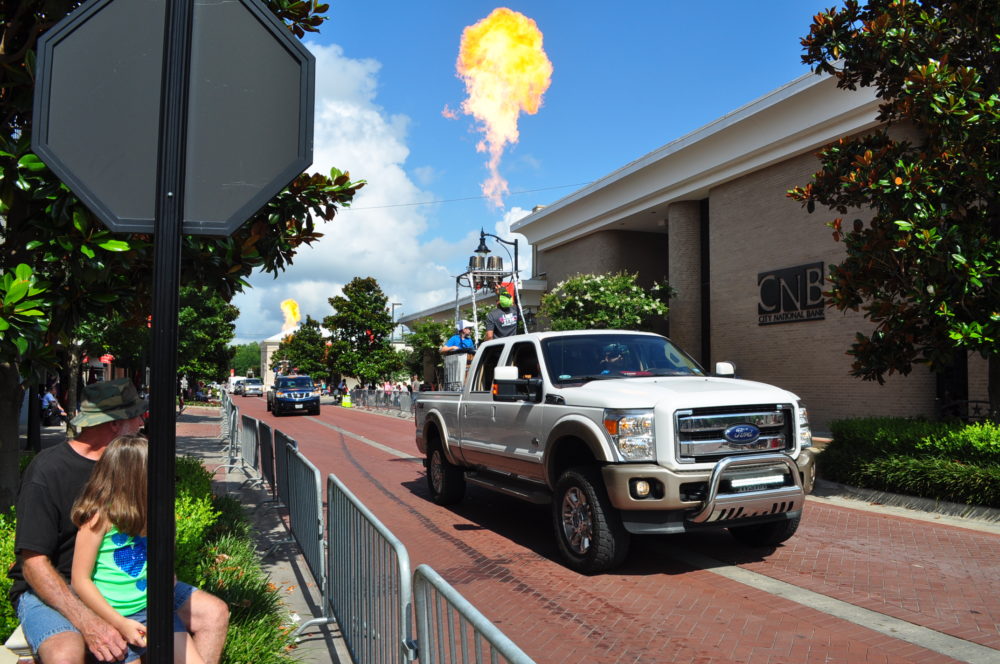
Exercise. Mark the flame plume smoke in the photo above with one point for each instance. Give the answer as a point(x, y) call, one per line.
point(291, 310)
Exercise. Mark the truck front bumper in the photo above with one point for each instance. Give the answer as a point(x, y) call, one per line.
point(752, 487)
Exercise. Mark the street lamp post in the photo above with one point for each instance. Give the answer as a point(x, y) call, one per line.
point(392, 337)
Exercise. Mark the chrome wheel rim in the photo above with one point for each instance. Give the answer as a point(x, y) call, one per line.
point(436, 471)
point(577, 521)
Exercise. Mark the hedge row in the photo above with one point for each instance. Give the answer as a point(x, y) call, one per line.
point(214, 551)
point(940, 460)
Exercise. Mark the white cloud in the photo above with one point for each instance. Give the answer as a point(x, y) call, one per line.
point(378, 237)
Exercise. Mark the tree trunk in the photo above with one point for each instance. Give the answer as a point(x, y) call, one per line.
point(73, 355)
point(10, 453)
point(993, 385)
point(34, 420)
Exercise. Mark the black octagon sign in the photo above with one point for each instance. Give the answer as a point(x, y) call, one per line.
point(249, 122)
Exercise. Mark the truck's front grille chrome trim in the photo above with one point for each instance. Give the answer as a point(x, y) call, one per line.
point(701, 433)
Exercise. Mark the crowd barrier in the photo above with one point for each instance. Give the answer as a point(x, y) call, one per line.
point(398, 400)
point(385, 613)
point(450, 630)
point(305, 510)
point(265, 448)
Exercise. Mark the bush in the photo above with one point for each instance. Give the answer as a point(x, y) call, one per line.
point(8, 619)
point(948, 461)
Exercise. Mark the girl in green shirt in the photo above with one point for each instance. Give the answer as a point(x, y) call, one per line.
point(109, 558)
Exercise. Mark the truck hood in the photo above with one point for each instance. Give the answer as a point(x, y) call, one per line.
point(673, 392)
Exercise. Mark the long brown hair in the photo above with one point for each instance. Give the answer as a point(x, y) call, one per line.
point(116, 489)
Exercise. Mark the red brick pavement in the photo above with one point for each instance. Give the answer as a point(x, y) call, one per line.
point(499, 553)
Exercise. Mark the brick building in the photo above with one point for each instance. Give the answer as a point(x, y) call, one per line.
point(708, 212)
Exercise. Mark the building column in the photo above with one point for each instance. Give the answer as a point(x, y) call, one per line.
point(684, 275)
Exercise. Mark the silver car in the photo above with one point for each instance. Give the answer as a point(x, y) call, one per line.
point(252, 387)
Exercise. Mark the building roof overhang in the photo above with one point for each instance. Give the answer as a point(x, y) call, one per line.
point(796, 118)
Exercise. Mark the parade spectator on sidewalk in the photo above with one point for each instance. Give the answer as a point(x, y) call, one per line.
point(51, 407)
point(109, 557)
point(57, 625)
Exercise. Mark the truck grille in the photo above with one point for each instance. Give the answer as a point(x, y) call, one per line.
point(706, 434)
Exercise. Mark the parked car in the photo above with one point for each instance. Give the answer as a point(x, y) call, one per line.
point(252, 387)
point(291, 394)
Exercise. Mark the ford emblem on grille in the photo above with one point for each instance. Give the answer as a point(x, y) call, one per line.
point(742, 434)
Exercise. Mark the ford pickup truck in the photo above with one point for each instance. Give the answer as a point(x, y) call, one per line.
point(621, 433)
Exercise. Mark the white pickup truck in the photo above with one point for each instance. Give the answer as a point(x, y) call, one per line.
point(622, 433)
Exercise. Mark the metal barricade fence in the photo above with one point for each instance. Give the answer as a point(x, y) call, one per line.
point(368, 580)
point(399, 400)
point(450, 630)
point(281, 444)
point(248, 444)
point(265, 442)
point(305, 513)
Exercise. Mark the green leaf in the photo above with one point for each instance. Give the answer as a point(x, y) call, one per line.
point(87, 251)
point(34, 244)
point(79, 220)
point(31, 162)
point(22, 344)
point(114, 245)
point(4, 324)
point(904, 225)
point(16, 292)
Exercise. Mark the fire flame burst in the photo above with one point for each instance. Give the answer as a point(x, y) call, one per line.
point(505, 71)
point(291, 310)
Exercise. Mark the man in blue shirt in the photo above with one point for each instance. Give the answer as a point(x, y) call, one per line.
point(461, 341)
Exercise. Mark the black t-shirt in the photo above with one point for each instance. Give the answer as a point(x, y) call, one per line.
point(51, 484)
point(502, 322)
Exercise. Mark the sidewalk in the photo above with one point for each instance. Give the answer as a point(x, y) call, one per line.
point(198, 436)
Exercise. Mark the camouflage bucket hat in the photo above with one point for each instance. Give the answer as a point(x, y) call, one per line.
point(108, 401)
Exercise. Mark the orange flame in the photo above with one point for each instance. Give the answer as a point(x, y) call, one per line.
point(505, 71)
point(291, 310)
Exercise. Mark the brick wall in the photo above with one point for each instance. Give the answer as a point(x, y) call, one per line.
point(755, 228)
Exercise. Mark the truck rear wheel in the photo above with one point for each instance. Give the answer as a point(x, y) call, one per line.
point(766, 534)
point(445, 480)
point(589, 531)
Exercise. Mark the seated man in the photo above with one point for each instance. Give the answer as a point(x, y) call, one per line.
point(56, 624)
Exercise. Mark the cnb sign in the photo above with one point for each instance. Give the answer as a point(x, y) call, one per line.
point(791, 295)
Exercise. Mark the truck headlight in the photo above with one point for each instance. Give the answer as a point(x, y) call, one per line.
point(632, 432)
point(805, 433)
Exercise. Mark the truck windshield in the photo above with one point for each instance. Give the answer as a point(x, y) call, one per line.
point(301, 383)
point(581, 358)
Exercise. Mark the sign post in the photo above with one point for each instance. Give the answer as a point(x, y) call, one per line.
point(170, 117)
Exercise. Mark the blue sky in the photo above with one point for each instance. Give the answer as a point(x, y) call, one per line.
point(627, 78)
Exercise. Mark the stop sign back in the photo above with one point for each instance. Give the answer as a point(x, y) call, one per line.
point(249, 120)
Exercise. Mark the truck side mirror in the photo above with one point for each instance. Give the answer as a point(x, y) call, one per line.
point(508, 387)
point(727, 369)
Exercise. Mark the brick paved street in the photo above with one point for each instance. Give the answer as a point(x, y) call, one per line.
point(908, 590)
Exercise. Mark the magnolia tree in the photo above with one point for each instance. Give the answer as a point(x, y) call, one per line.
point(604, 301)
point(925, 266)
point(73, 267)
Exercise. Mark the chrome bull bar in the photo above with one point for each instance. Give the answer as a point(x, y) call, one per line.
point(740, 505)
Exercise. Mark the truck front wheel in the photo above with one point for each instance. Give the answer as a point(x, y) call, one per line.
point(589, 531)
point(445, 480)
point(766, 534)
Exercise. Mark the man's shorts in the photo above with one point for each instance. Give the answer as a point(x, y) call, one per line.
point(39, 621)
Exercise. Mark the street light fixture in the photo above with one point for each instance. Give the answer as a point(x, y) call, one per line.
point(392, 337)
